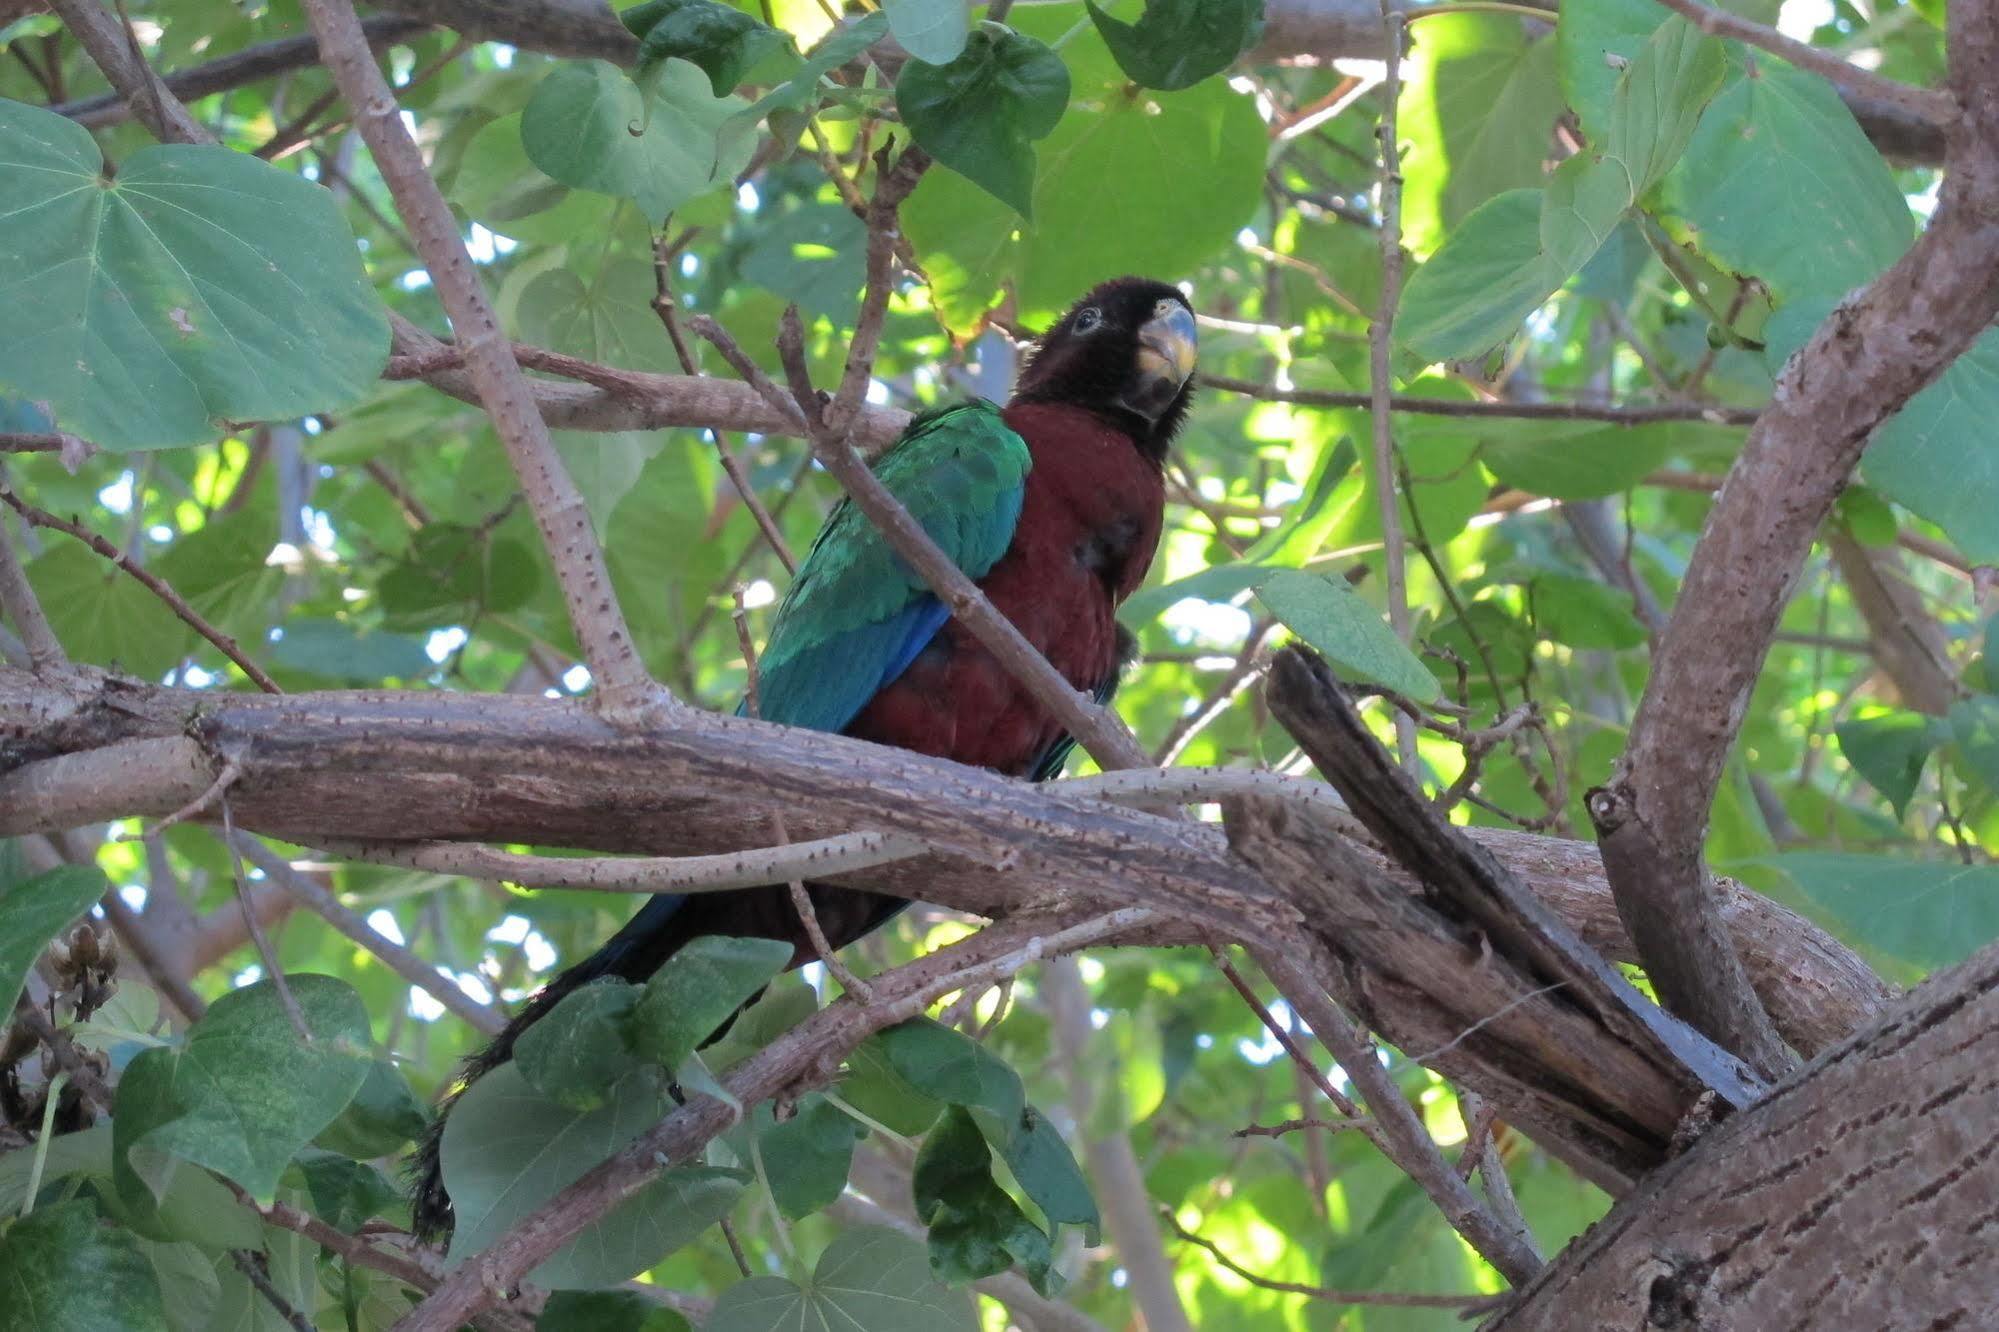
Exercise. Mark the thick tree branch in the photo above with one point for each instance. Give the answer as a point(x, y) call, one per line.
point(1876, 351)
point(415, 767)
point(1859, 1192)
point(625, 691)
point(841, 854)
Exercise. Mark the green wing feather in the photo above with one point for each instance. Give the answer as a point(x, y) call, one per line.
point(856, 615)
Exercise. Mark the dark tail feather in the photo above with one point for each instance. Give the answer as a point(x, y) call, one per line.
point(660, 929)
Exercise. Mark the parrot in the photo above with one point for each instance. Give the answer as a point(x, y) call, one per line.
point(1052, 504)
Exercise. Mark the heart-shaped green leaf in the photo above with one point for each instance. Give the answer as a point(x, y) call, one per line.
point(591, 127)
point(199, 286)
point(213, 1102)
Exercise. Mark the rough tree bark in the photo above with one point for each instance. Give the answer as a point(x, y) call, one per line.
point(1864, 1192)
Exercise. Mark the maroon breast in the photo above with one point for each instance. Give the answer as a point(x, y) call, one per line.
point(1089, 524)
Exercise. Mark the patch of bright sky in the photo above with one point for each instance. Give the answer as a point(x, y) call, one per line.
point(576, 679)
point(117, 496)
point(1209, 621)
point(443, 642)
point(249, 975)
point(424, 1008)
point(383, 922)
point(474, 986)
point(1799, 19)
point(1266, 1049)
point(759, 593)
point(877, 393)
point(1925, 204)
point(747, 198)
point(516, 930)
point(318, 528)
point(414, 280)
point(160, 532)
point(503, 55)
point(133, 895)
point(196, 678)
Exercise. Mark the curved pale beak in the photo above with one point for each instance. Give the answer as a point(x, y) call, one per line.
point(1168, 348)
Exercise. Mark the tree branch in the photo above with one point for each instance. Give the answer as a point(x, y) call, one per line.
point(248, 65)
point(114, 52)
point(1380, 366)
point(627, 693)
point(1936, 106)
point(17, 599)
point(1876, 350)
point(1628, 415)
point(409, 767)
point(1405, 1139)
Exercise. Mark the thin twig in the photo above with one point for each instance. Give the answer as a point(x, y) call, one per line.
point(1389, 1298)
point(1628, 415)
point(1296, 1126)
point(255, 927)
point(801, 900)
point(396, 957)
point(17, 599)
point(231, 773)
point(1241, 676)
point(627, 695)
point(1934, 105)
point(1381, 333)
point(151, 582)
point(1344, 1104)
point(1401, 1132)
point(256, 1270)
point(668, 310)
point(728, 870)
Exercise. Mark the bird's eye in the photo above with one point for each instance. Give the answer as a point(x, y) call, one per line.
point(1088, 319)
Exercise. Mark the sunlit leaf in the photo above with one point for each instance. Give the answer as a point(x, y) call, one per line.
point(1332, 618)
point(1177, 43)
point(981, 113)
point(867, 1278)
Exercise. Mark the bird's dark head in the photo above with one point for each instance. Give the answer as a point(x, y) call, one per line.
point(1125, 351)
